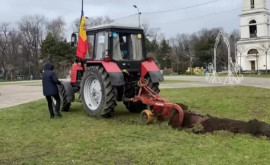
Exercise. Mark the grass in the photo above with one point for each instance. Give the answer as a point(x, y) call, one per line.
point(262, 75)
point(28, 136)
point(174, 81)
point(237, 102)
point(36, 82)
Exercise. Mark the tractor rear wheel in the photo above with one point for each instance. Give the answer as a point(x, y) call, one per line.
point(97, 94)
point(153, 86)
point(137, 107)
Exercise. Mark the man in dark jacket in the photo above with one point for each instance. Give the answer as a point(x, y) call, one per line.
point(50, 82)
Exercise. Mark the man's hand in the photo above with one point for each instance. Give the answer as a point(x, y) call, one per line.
point(77, 59)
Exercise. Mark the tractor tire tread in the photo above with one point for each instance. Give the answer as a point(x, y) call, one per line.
point(65, 105)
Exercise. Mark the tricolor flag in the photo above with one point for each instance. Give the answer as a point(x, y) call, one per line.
point(82, 43)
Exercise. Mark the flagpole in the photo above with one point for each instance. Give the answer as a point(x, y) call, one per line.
point(81, 17)
point(82, 5)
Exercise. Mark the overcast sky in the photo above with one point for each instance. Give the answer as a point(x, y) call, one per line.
point(217, 13)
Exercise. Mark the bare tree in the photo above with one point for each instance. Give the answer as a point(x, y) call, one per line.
point(265, 48)
point(240, 50)
point(173, 59)
point(4, 47)
point(150, 33)
point(10, 59)
point(182, 46)
point(91, 21)
point(233, 38)
point(161, 37)
point(32, 30)
point(57, 28)
point(95, 21)
point(15, 58)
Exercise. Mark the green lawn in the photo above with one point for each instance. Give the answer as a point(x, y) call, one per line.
point(174, 81)
point(28, 136)
point(20, 82)
point(262, 75)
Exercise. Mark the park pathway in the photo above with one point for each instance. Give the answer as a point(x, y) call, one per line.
point(18, 93)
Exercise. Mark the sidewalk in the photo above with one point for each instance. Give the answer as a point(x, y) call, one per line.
point(16, 94)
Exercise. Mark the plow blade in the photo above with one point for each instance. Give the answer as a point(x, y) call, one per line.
point(176, 118)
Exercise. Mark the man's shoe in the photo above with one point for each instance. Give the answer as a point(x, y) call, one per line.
point(59, 115)
point(52, 116)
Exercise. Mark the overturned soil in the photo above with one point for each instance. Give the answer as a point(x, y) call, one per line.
point(207, 123)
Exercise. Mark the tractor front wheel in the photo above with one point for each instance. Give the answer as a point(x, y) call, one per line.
point(97, 94)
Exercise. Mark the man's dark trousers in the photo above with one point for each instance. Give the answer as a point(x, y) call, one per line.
point(50, 106)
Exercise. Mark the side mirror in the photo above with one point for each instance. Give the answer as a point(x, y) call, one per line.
point(73, 39)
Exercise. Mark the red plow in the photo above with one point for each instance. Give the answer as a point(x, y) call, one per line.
point(161, 109)
point(157, 107)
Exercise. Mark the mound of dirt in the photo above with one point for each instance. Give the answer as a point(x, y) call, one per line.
point(208, 123)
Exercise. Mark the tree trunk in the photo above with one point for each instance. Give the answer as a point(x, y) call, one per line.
point(5, 74)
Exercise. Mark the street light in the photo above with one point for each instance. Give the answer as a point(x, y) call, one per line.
point(139, 13)
point(266, 61)
point(257, 62)
point(190, 64)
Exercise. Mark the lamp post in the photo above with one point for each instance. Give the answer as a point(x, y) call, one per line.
point(139, 13)
point(266, 61)
point(240, 63)
point(257, 62)
point(190, 64)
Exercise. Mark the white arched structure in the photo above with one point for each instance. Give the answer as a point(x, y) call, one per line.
point(233, 77)
point(213, 77)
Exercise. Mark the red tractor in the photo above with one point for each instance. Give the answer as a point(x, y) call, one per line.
point(116, 69)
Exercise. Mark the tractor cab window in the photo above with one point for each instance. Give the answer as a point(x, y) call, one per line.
point(101, 45)
point(90, 48)
point(127, 46)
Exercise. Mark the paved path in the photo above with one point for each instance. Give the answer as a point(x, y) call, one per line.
point(24, 92)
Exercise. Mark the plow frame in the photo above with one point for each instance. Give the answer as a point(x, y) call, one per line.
point(160, 107)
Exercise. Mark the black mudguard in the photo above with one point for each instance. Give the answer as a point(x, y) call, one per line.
point(156, 76)
point(117, 78)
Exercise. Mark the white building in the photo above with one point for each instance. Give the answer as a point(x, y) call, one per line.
point(255, 37)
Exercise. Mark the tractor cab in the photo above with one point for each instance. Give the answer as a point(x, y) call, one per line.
point(122, 45)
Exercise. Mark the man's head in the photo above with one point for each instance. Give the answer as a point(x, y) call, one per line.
point(48, 66)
